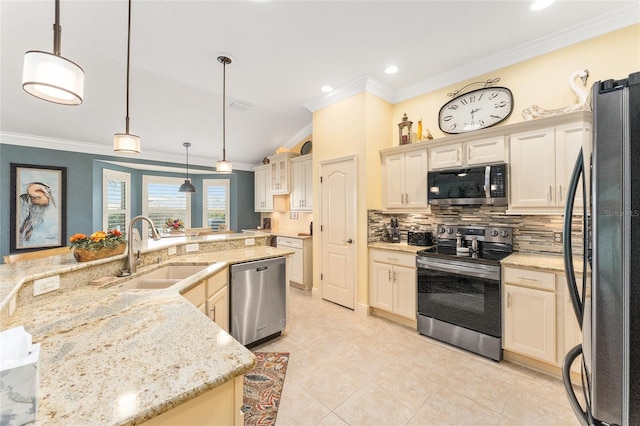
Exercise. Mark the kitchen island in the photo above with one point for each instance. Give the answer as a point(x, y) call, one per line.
point(113, 356)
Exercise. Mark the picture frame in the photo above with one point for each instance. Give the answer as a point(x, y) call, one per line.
point(38, 213)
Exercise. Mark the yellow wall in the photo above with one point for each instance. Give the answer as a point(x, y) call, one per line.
point(542, 80)
point(363, 124)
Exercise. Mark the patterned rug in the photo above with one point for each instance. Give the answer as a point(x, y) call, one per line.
point(263, 387)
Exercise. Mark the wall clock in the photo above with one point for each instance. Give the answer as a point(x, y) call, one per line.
point(476, 110)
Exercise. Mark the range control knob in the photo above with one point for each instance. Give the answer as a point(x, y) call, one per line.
point(504, 234)
point(442, 230)
point(494, 233)
point(450, 231)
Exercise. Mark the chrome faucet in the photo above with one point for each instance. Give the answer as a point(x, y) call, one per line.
point(131, 264)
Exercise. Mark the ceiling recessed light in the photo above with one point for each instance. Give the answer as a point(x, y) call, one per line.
point(326, 89)
point(391, 69)
point(541, 4)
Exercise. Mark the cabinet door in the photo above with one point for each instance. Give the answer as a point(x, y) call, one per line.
point(569, 139)
point(415, 193)
point(197, 296)
point(263, 197)
point(530, 323)
point(533, 168)
point(394, 178)
point(297, 186)
point(297, 265)
point(404, 291)
point(381, 286)
point(218, 308)
point(485, 151)
point(279, 175)
point(443, 157)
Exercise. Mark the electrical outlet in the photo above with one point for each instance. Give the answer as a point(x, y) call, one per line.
point(171, 250)
point(249, 241)
point(190, 248)
point(45, 285)
point(557, 237)
point(293, 215)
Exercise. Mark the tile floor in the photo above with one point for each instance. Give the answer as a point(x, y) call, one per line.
point(348, 370)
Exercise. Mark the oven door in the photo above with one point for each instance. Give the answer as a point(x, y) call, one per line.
point(460, 293)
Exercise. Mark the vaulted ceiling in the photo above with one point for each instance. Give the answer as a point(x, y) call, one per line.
point(283, 52)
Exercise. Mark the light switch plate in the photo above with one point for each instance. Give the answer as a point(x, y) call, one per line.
point(171, 250)
point(190, 248)
point(45, 285)
point(249, 241)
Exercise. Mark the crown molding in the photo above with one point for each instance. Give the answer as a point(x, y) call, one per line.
point(305, 131)
point(35, 141)
point(612, 21)
point(365, 83)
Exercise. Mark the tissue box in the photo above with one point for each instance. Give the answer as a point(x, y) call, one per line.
point(19, 384)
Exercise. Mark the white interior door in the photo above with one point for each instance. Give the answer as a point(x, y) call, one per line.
point(338, 231)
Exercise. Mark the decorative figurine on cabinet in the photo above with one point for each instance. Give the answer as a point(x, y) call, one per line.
point(404, 130)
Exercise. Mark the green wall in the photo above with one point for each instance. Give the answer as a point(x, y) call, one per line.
point(84, 189)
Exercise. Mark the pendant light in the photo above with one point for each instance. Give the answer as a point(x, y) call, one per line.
point(187, 186)
point(224, 166)
point(127, 143)
point(51, 77)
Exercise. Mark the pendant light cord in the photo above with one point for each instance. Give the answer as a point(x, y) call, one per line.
point(57, 30)
point(128, 56)
point(224, 103)
point(187, 145)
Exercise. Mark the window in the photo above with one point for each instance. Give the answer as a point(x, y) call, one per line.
point(161, 200)
point(116, 200)
point(215, 203)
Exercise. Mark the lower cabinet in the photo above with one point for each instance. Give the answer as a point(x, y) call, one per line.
point(301, 275)
point(211, 297)
point(392, 282)
point(538, 316)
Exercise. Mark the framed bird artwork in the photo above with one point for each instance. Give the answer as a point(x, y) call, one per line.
point(38, 207)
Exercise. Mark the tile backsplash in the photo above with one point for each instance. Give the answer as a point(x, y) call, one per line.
point(531, 233)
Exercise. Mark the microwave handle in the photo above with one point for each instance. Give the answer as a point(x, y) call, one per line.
point(487, 181)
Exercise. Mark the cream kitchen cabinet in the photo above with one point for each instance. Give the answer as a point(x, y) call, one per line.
point(301, 271)
point(211, 297)
point(392, 284)
point(541, 163)
point(302, 183)
point(280, 170)
point(404, 177)
point(481, 151)
point(262, 189)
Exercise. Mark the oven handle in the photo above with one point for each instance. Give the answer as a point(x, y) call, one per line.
point(459, 268)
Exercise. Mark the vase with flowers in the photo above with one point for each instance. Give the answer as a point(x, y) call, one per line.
point(174, 226)
point(98, 245)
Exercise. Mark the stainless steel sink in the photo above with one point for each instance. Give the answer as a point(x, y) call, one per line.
point(162, 277)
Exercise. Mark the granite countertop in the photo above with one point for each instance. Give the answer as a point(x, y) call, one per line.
point(122, 357)
point(290, 234)
point(403, 247)
point(550, 263)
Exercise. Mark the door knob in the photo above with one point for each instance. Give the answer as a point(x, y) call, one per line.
point(349, 241)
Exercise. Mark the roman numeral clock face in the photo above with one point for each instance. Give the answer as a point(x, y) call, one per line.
point(476, 110)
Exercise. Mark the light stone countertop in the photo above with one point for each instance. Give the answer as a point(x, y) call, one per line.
point(550, 263)
point(122, 357)
point(403, 247)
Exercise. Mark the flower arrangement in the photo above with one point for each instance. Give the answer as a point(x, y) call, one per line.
point(174, 224)
point(98, 240)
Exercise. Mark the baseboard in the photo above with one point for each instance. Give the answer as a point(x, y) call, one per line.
point(316, 293)
point(363, 310)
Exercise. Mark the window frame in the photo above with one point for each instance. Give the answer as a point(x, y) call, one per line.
point(168, 180)
point(114, 175)
point(205, 211)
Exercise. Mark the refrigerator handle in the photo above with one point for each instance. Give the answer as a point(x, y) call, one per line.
point(578, 170)
point(567, 362)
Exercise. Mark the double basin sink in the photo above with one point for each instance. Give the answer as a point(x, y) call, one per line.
point(162, 277)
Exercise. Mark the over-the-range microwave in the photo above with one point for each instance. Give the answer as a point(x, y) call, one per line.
point(469, 186)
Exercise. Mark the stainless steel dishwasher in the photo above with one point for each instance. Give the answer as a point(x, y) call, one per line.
point(258, 300)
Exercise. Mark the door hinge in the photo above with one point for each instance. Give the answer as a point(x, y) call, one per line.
point(320, 179)
point(321, 276)
point(321, 228)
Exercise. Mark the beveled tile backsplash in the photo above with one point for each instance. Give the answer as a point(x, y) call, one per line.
point(531, 233)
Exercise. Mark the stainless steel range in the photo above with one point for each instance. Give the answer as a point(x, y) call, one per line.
point(459, 300)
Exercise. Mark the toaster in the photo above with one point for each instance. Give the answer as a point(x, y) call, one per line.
point(420, 238)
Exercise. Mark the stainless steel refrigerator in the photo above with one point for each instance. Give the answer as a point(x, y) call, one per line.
point(607, 301)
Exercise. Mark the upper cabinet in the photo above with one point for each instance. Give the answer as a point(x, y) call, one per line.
point(481, 151)
point(279, 164)
point(541, 163)
point(262, 188)
point(302, 183)
point(404, 177)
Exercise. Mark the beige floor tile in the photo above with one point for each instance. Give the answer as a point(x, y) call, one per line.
point(345, 369)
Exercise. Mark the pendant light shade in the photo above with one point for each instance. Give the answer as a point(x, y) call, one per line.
point(127, 143)
point(51, 77)
point(224, 166)
point(187, 186)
